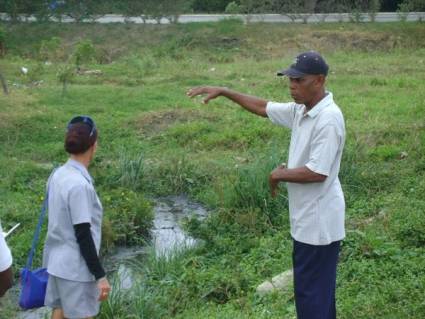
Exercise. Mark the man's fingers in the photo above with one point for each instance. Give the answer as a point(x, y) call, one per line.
point(207, 99)
point(194, 91)
point(190, 93)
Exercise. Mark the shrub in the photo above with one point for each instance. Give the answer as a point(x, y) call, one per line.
point(64, 76)
point(84, 52)
point(403, 10)
point(233, 8)
point(50, 50)
point(128, 217)
point(374, 7)
point(34, 75)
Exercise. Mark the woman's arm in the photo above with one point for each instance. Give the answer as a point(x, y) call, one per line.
point(88, 249)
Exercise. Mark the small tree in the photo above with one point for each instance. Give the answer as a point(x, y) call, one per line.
point(233, 8)
point(295, 9)
point(84, 52)
point(404, 9)
point(374, 7)
point(155, 10)
point(324, 8)
point(169, 9)
point(51, 49)
point(13, 8)
point(356, 10)
point(250, 7)
point(341, 7)
point(136, 8)
point(65, 75)
point(40, 10)
point(417, 5)
point(174, 8)
point(81, 10)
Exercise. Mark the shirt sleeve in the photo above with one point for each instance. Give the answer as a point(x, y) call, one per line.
point(80, 204)
point(5, 254)
point(323, 151)
point(282, 114)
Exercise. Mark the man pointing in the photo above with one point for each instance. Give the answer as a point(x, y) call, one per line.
point(316, 200)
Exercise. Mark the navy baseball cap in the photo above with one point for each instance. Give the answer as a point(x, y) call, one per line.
point(306, 63)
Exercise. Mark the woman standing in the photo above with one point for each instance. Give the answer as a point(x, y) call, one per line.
point(77, 281)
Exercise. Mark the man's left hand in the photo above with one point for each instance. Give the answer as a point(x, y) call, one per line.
point(276, 177)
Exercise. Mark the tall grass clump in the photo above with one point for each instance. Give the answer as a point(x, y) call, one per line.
point(157, 287)
point(137, 302)
point(249, 187)
point(130, 170)
point(179, 175)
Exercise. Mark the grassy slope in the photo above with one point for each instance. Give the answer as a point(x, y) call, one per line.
point(221, 155)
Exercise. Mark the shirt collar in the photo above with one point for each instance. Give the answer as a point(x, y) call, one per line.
point(323, 103)
point(81, 168)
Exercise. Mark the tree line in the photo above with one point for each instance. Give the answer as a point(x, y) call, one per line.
point(81, 10)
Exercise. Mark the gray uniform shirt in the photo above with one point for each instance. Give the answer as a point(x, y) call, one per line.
point(72, 200)
point(317, 210)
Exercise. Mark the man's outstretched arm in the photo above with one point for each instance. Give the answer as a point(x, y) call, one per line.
point(253, 104)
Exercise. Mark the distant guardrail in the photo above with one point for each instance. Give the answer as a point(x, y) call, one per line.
point(269, 18)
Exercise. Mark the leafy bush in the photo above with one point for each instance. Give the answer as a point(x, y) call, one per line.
point(128, 217)
point(233, 8)
point(65, 75)
point(84, 52)
point(403, 10)
point(35, 74)
point(374, 7)
point(50, 50)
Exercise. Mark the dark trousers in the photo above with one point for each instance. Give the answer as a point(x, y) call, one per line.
point(315, 279)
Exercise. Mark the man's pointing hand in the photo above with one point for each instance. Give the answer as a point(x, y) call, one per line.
point(211, 92)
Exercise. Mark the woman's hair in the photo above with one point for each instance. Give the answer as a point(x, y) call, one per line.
point(79, 138)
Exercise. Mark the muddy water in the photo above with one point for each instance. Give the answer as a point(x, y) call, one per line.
point(167, 233)
point(167, 236)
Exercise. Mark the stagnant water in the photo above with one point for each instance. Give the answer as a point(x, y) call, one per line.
point(167, 235)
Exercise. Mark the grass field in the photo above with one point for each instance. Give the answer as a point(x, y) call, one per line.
point(155, 141)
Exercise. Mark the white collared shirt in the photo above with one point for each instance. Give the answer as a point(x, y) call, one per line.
point(317, 210)
point(72, 200)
